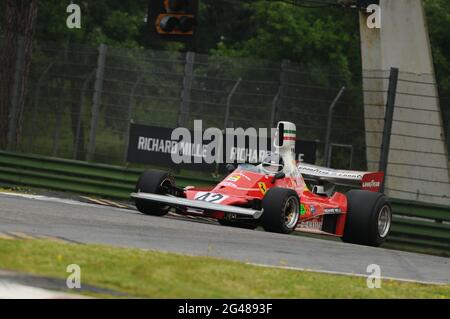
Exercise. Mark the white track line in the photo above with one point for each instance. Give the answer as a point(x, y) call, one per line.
point(10, 290)
point(343, 273)
point(53, 199)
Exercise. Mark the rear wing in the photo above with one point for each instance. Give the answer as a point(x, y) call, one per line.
point(370, 181)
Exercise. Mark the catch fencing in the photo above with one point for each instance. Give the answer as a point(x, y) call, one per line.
point(81, 100)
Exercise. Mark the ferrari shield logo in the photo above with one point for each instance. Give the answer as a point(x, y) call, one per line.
point(262, 187)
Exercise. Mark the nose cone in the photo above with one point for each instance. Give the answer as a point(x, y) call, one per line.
point(244, 183)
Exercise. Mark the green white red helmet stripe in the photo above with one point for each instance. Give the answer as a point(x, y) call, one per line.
point(289, 135)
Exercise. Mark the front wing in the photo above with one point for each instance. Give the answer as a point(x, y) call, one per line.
point(190, 203)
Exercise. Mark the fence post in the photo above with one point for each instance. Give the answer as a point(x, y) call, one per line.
point(60, 104)
point(326, 151)
point(98, 88)
point(36, 104)
point(277, 102)
point(186, 92)
point(80, 115)
point(273, 116)
point(227, 110)
point(14, 109)
point(56, 132)
point(388, 118)
point(129, 113)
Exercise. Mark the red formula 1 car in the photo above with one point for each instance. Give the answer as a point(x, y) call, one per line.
point(274, 195)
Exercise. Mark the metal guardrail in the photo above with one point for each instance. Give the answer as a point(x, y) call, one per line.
point(75, 176)
point(416, 226)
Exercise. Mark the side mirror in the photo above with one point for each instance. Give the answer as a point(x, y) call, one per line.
point(278, 175)
point(230, 168)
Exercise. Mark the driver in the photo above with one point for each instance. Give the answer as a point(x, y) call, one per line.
point(272, 164)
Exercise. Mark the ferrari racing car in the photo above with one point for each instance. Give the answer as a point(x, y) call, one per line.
point(274, 194)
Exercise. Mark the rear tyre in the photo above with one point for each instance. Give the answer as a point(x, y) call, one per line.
point(239, 223)
point(154, 182)
point(281, 210)
point(369, 218)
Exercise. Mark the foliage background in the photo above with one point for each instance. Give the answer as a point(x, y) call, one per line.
point(321, 41)
point(258, 29)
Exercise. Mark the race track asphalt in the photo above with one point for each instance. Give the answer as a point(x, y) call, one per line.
point(87, 223)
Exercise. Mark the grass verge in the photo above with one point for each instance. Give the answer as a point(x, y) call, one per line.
point(154, 274)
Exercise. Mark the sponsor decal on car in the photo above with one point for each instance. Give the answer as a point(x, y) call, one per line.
point(302, 209)
point(372, 181)
point(228, 184)
point(311, 224)
point(233, 178)
point(371, 184)
point(312, 208)
point(335, 210)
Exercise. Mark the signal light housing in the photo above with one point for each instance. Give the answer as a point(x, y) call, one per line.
point(175, 24)
point(172, 19)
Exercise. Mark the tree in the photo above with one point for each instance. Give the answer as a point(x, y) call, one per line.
point(314, 37)
point(438, 16)
point(18, 29)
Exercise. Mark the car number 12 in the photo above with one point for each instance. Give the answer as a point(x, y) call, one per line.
point(210, 197)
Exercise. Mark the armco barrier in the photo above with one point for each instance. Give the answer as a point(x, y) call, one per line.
point(416, 226)
point(75, 176)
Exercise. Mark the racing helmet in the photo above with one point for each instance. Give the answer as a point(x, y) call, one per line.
point(272, 164)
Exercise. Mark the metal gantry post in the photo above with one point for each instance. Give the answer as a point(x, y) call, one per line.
point(388, 118)
point(96, 101)
point(326, 151)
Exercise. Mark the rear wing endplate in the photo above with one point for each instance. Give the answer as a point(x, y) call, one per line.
point(370, 181)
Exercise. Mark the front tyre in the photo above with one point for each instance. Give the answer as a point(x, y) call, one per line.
point(153, 182)
point(369, 218)
point(281, 210)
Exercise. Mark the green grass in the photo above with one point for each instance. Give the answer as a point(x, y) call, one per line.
point(154, 274)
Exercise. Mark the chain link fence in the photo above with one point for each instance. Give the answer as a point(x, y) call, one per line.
point(81, 100)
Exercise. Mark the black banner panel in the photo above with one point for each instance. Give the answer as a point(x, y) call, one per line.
point(154, 145)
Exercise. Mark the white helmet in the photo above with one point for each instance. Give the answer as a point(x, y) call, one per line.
point(272, 164)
